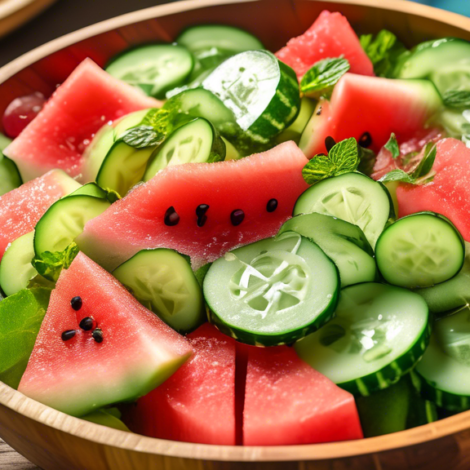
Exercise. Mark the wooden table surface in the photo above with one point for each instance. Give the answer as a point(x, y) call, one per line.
point(63, 17)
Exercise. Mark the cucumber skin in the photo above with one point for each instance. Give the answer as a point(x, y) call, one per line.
point(442, 398)
point(392, 373)
point(288, 338)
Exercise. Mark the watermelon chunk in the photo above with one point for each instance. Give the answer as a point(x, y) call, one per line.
point(287, 402)
point(373, 105)
point(137, 221)
point(197, 404)
point(330, 36)
point(77, 376)
point(22, 208)
point(59, 134)
point(449, 193)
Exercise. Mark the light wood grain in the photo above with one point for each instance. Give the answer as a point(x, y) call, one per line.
point(57, 441)
point(11, 460)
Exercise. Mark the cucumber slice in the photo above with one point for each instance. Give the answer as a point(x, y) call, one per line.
point(420, 250)
point(90, 189)
point(450, 296)
point(444, 61)
point(203, 103)
point(295, 130)
point(378, 335)
point(272, 292)
point(10, 177)
point(64, 221)
point(155, 68)
point(162, 280)
point(443, 375)
point(343, 242)
point(261, 91)
point(352, 197)
point(16, 269)
point(231, 153)
point(195, 142)
point(105, 138)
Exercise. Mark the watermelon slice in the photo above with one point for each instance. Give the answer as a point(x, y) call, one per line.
point(371, 105)
point(287, 402)
point(21, 208)
point(330, 36)
point(138, 221)
point(137, 353)
point(197, 404)
point(449, 193)
point(59, 134)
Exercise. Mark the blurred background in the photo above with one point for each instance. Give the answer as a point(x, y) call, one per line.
point(58, 17)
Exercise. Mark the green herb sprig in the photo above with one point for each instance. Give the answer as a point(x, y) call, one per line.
point(321, 78)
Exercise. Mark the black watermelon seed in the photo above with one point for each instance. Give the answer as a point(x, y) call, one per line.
point(76, 303)
point(69, 334)
point(97, 335)
point(86, 324)
point(237, 217)
point(365, 140)
point(271, 206)
point(320, 155)
point(171, 217)
point(319, 111)
point(329, 143)
point(201, 210)
point(201, 220)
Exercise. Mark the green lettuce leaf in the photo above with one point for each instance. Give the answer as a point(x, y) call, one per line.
point(21, 316)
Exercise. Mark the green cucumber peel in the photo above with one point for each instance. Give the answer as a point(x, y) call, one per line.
point(21, 316)
point(324, 74)
point(50, 265)
point(342, 158)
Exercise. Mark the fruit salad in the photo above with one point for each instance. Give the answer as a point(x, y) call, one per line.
point(210, 242)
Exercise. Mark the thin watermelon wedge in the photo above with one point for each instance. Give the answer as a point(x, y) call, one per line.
point(449, 192)
point(77, 376)
point(59, 134)
point(287, 402)
point(329, 36)
point(138, 222)
point(196, 404)
point(22, 208)
point(371, 108)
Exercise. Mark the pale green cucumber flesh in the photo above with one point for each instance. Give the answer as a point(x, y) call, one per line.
point(352, 197)
point(420, 250)
point(194, 142)
point(295, 130)
point(64, 221)
point(343, 242)
point(162, 280)
point(378, 335)
point(272, 292)
point(155, 68)
point(261, 91)
point(16, 269)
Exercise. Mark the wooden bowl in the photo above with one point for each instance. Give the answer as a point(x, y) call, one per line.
point(55, 441)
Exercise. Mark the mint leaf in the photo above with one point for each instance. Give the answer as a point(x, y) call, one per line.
point(426, 164)
point(397, 175)
point(392, 146)
point(456, 98)
point(50, 265)
point(21, 316)
point(383, 51)
point(142, 137)
point(323, 75)
point(342, 158)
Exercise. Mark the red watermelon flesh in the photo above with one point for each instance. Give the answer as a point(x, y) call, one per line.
point(137, 221)
point(197, 404)
point(22, 208)
point(375, 105)
point(80, 375)
point(59, 134)
point(287, 402)
point(386, 163)
point(449, 193)
point(330, 36)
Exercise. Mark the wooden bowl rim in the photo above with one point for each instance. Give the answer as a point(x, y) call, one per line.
point(38, 412)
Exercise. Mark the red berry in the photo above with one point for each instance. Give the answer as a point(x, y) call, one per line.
point(20, 112)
